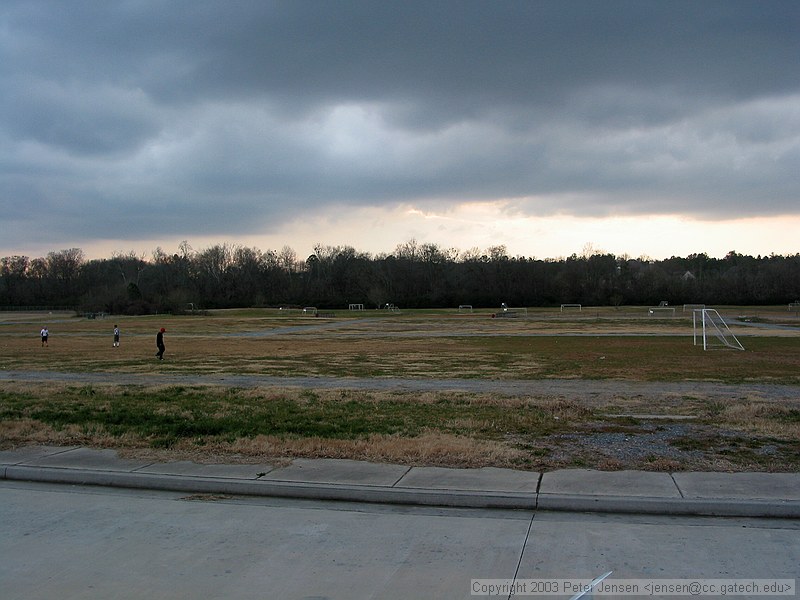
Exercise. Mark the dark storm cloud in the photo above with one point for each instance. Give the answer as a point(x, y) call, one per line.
point(192, 117)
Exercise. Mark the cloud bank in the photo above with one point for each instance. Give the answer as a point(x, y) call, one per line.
point(148, 119)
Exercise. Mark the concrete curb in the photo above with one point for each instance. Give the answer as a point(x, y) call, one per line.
point(701, 507)
point(719, 507)
point(280, 489)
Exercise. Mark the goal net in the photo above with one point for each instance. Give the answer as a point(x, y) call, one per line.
point(710, 327)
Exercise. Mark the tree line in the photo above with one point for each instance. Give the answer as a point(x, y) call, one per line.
point(415, 275)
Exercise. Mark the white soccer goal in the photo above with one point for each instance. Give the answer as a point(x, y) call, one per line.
point(709, 326)
point(465, 308)
point(577, 307)
point(357, 307)
point(688, 307)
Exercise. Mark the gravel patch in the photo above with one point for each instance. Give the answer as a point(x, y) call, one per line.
point(589, 391)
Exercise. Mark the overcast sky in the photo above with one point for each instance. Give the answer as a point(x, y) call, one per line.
point(659, 128)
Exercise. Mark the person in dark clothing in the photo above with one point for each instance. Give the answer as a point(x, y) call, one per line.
point(160, 344)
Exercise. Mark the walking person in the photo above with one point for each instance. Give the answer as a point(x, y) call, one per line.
point(160, 344)
point(45, 333)
point(116, 336)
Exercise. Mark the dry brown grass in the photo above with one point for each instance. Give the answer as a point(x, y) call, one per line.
point(419, 345)
point(763, 418)
point(740, 434)
point(431, 449)
point(737, 435)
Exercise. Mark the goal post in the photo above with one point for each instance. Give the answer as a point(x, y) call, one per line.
point(577, 307)
point(711, 328)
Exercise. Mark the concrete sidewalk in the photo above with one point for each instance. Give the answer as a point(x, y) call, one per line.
point(713, 494)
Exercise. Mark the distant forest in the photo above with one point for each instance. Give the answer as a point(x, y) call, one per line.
point(413, 276)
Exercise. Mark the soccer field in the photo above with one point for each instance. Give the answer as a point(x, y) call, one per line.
point(626, 343)
point(664, 403)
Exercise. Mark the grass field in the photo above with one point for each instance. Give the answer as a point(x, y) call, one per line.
point(651, 430)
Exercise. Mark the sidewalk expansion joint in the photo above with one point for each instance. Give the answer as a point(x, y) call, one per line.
point(399, 479)
point(677, 487)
